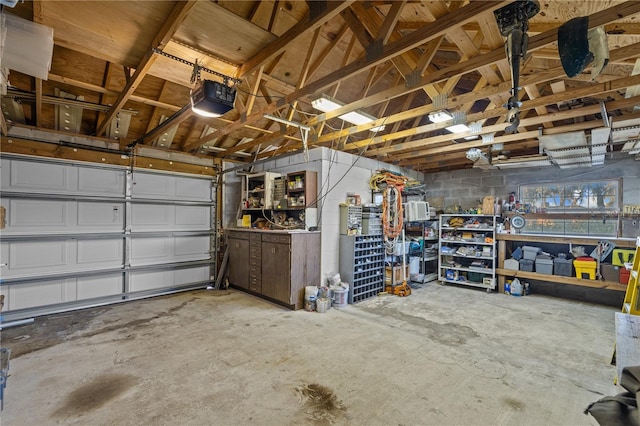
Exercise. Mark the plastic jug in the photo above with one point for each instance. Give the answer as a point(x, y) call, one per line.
point(516, 287)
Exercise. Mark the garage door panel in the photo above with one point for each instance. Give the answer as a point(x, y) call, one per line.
point(192, 189)
point(99, 253)
point(35, 176)
point(143, 281)
point(91, 287)
point(194, 247)
point(193, 217)
point(151, 217)
point(34, 294)
point(24, 215)
point(149, 250)
point(191, 275)
point(167, 187)
point(150, 185)
point(100, 216)
point(101, 181)
point(37, 256)
point(160, 217)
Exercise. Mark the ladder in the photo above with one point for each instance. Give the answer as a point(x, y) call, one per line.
point(631, 303)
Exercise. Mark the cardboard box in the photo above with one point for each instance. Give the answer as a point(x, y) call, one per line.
point(609, 272)
point(396, 272)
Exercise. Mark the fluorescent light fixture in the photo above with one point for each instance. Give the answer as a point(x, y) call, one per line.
point(524, 161)
point(327, 104)
point(212, 99)
point(458, 128)
point(440, 116)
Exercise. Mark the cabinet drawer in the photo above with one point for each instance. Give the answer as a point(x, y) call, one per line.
point(255, 261)
point(255, 252)
point(238, 234)
point(254, 236)
point(255, 285)
point(284, 239)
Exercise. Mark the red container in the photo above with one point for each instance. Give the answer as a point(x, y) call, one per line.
point(624, 276)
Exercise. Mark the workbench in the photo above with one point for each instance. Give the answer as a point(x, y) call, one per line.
point(274, 264)
point(506, 239)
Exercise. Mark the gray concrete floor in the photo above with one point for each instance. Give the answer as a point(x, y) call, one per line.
point(444, 355)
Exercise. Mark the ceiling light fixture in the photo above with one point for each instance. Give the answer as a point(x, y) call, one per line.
point(440, 116)
point(212, 99)
point(327, 104)
point(458, 128)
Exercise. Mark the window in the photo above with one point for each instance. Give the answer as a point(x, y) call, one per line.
point(573, 208)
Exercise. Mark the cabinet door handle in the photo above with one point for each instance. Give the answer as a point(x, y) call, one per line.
point(273, 250)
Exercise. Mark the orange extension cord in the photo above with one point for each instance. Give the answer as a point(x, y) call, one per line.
point(392, 221)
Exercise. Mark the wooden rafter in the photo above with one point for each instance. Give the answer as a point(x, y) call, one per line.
point(170, 26)
point(304, 26)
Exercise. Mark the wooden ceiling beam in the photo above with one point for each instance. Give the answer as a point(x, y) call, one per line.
point(390, 21)
point(170, 26)
point(391, 50)
point(626, 52)
point(473, 64)
point(279, 45)
point(519, 137)
point(527, 105)
point(100, 89)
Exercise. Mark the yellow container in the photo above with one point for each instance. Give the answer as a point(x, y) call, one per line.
point(620, 256)
point(585, 267)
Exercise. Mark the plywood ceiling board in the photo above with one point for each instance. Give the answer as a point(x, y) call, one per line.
point(91, 30)
point(211, 28)
point(565, 140)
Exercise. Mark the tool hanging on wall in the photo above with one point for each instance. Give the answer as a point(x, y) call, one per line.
point(513, 22)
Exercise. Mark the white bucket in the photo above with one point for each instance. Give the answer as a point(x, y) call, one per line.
point(340, 297)
point(310, 292)
point(414, 265)
point(322, 305)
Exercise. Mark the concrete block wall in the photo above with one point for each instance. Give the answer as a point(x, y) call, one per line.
point(467, 187)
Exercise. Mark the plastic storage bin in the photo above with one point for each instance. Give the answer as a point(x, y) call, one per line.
point(563, 267)
point(526, 265)
point(544, 265)
point(624, 276)
point(511, 264)
point(530, 253)
point(585, 267)
point(475, 277)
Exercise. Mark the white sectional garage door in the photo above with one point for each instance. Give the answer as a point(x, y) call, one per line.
point(79, 235)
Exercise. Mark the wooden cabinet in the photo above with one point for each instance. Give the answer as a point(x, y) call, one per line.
point(258, 191)
point(302, 189)
point(281, 264)
point(255, 262)
point(276, 267)
point(239, 250)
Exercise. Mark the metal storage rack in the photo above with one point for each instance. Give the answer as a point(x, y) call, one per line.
point(350, 219)
point(428, 252)
point(467, 249)
point(362, 265)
